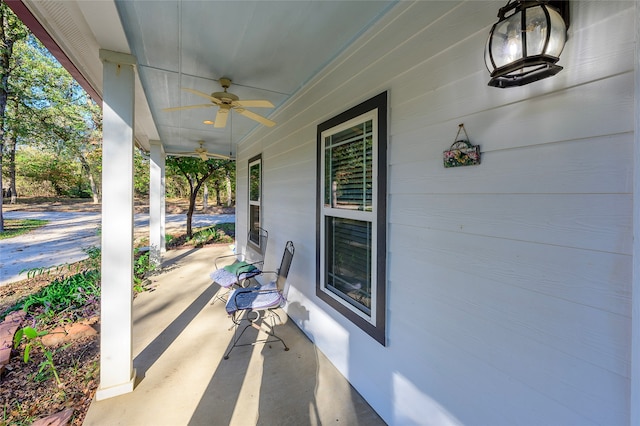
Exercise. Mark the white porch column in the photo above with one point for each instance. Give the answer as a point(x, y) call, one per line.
point(163, 209)
point(156, 202)
point(634, 402)
point(116, 361)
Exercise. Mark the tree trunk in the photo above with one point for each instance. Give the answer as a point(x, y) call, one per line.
point(192, 205)
point(205, 198)
point(192, 197)
point(227, 181)
point(92, 183)
point(10, 32)
point(94, 189)
point(216, 186)
point(57, 188)
point(12, 170)
point(189, 217)
point(5, 56)
point(12, 141)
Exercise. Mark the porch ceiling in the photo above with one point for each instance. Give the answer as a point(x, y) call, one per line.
point(270, 49)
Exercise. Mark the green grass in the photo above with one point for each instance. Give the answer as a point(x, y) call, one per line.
point(221, 233)
point(213, 234)
point(15, 227)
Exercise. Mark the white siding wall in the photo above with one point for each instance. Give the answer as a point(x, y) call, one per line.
point(509, 283)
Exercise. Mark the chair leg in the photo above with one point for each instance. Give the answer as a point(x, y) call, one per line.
point(252, 323)
point(271, 332)
point(222, 297)
point(236, 323)
point(236, 339)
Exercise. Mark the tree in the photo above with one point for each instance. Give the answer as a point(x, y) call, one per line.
point(47, 167)
point(47, 109)
point(11, 31)
point(60, 117)
point(221, 182)
point(10, 143)
point(196, 172)
point(141, 178)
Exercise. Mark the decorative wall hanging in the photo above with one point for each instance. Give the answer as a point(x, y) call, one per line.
point(462, 152)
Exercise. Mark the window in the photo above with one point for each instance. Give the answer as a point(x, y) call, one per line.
point(351, 225)
point(255, 196)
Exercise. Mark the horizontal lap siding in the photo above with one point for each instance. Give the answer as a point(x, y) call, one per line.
point(509, 283)
point(585, 294)
point(595, 222)
point(591, 166)
point(524, 261)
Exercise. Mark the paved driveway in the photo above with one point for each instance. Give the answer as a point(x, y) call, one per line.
point(66, 236)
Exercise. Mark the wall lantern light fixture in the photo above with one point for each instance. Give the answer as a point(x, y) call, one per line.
point(526, 42)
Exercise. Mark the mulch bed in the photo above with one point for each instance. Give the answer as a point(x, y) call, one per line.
point(26, 395)
point(26, 398)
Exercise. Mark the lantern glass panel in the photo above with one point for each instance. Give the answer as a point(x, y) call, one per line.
point(558, 34)
point(487, 57)
point(536, 30)
point(506, 43)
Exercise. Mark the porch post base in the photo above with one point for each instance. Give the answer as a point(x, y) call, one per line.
point(117, 390)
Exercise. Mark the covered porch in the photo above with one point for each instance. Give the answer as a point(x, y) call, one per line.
point(179, 341)
point(525, 309)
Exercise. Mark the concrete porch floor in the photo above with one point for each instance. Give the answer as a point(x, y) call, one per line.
point(182, 378)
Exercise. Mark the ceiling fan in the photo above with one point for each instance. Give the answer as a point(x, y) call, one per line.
point(202, 152)
point(225, 102)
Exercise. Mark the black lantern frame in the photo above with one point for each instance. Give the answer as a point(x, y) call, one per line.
point(534, 33)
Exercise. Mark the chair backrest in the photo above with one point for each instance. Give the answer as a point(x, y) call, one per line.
point(257, 240)
point(283, 271)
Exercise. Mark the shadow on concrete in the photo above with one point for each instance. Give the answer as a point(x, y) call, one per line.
point(265, 385)
point(180, 340)
point(159, 345)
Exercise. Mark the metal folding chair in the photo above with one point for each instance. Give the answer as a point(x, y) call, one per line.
point(251, 303)
point(243, 266)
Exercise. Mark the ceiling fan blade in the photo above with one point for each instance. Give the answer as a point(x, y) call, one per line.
point(204, 155)
point(221, 117)
point(222, 157)
point(253, 103)
point(181, 154)
point(187, 107)
point(201, 94)
point(260, 119)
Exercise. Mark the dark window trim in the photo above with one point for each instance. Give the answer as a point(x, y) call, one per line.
point(252, 160)
point(377, 331)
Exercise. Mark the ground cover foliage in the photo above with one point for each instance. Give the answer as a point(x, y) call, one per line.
point(222, 233)
point(40, 381)
point(15, 227)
